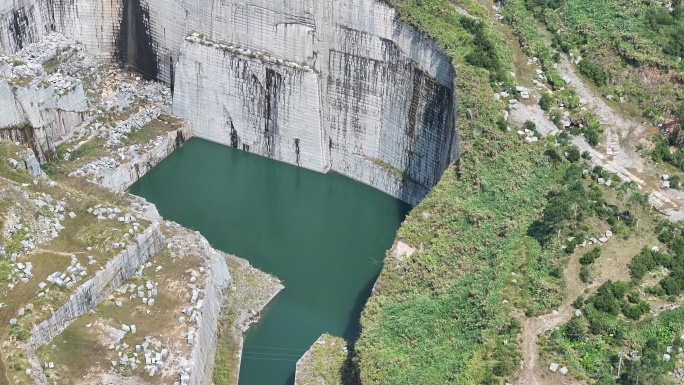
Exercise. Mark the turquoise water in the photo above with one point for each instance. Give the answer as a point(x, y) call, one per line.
point(324, 236)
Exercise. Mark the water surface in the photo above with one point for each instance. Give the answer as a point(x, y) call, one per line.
point(325, 236)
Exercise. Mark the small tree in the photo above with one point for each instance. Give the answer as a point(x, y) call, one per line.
point(575, 330)
point(573, 154)
point(545, 102)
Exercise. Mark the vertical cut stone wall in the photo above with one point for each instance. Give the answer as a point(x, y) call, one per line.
point(338, 86)
point(368, 96)
point(204, 352)
point(96, 289)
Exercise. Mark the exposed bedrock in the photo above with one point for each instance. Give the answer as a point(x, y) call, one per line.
point(331, 86)
point(339, 86)
point(37, 109)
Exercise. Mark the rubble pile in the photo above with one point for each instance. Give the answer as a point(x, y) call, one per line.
point(73, 274)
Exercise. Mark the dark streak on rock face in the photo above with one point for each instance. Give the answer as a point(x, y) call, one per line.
point(180, 138)
point(273, 89)
point(135, 47)
point(22, 27)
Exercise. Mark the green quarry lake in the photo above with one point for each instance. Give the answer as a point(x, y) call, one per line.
point(324, 236)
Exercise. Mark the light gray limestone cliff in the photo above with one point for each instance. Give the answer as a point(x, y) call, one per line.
point(340, 86)
point(201, 362)
point(37, 108)
point(123, 176)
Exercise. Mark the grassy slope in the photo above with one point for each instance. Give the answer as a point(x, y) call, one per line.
point(437, 317)
point(618, 37)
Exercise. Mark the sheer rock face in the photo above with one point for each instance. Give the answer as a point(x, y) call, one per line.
point(38, 108)
point(331, 86)
point(339, 86)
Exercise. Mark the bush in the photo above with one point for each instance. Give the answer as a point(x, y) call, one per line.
point(675, 181)
point(609, 296)
point(529, 125)
point(590, 257)
point(545, 102)
point(501, 123)
point(575, 330)
point(573, 154)
point(641, 264)
point(584, 274)
point(635, 311)
point(591, 70)
point(19, 333)
point(49, 168)
point(672, 285)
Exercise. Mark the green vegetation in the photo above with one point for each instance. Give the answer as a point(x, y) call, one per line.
point(630, 48)
point(595, 345)
point(325, 363)
point(591, 70)
point(616, 325)
point(153, 129)
point(590, 257)
point(437, 316)
point(649, 259)
point(484, 52)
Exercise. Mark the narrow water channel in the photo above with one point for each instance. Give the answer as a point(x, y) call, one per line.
point(325, 236)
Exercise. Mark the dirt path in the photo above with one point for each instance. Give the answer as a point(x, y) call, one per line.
point(534, 373)
point(617, 152)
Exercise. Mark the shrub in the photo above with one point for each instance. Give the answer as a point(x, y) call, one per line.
point(641, 264)
point(591, 70)
point(573, 154)
point(49, 168)
point(635, 311)
point(675, 181)
point(590, 257)
point(584, 274)
point(545, 102)
point(578, 302)
point(575, 330)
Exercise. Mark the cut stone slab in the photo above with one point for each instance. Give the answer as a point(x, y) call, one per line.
point(553, 367)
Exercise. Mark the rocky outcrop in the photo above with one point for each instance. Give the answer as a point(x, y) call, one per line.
point(117, 175)
point(128, 173)
point(95, 290)
point(201, 362)
point(40, 108)
point(324, 363)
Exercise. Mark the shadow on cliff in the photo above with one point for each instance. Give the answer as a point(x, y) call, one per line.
point(430, 129)
point(135, 46)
